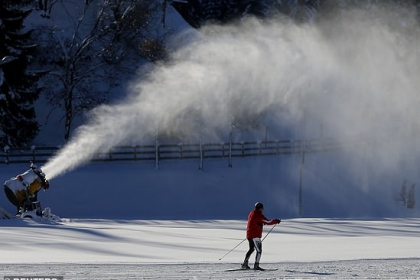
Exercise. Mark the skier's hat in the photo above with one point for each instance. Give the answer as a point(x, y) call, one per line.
point(259, 205)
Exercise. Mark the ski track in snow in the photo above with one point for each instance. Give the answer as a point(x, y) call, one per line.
point(355, 269)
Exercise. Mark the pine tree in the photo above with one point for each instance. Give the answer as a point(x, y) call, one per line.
point(411, 201)
point(18, 89)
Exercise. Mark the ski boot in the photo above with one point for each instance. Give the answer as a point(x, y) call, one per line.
point(257, 267)
point(245, 265)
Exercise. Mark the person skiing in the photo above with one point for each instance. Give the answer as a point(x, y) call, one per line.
point(254, 229)
point(24, 187)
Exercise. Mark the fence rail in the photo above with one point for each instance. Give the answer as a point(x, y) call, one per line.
point(183, 151)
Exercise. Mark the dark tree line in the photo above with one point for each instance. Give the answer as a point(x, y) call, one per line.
point(201, 12)
point(18, 87)
point(79, 65)
point(222, 11)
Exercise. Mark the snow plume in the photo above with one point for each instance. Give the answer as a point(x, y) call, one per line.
point(354, 74)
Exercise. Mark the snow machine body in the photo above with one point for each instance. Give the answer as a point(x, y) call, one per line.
point(22, 192)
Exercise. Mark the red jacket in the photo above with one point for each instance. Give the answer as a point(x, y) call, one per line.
point(256, 221)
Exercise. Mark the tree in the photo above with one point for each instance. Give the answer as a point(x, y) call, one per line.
point(204, 11)
point(107, 35)
point(18, 87)
point(403, 194)
point(364, 4)
point(299, 10)
point(222, 11)
point(411, 201)
point(46, 6)
point(258, 8)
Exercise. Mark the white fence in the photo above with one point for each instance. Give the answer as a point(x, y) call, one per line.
point(184, 151)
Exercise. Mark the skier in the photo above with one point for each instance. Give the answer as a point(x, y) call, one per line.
point(23, 188)
point(254, 229)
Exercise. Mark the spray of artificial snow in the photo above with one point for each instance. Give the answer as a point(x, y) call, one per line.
point(352, 75)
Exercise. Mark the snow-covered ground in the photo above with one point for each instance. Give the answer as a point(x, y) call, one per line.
point(129, 220)
point(159, 249)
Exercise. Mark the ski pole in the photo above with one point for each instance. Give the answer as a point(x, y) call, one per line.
point(269, 232)
point(244, 240)
point(232, 249)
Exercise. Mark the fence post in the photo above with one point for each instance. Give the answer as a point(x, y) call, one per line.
point(223, 149)
point(33, 152)
point(135, 152)
point(230, 149)
point(6, 153)
point(201, 156)
point(156, 153)
point(181, 155)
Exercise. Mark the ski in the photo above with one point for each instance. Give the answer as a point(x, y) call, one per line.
point(244, 269)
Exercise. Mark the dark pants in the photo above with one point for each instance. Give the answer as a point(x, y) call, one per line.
point(254, 244)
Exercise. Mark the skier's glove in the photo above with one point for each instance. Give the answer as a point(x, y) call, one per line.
point(277, 221)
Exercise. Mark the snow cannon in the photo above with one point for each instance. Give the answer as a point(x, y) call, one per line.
point(22, 192)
